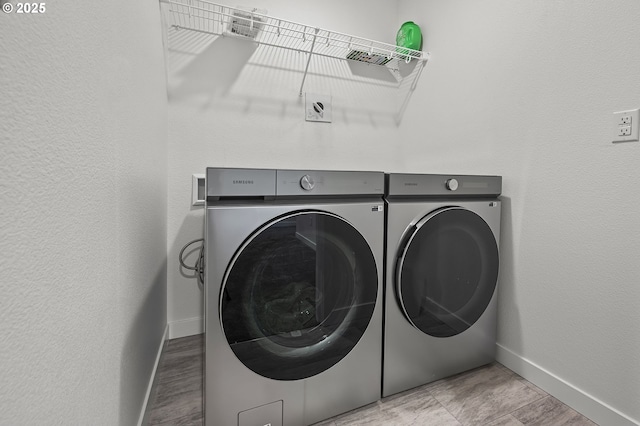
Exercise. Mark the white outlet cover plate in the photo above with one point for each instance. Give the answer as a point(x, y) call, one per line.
point(634, 114)
point(317, 108)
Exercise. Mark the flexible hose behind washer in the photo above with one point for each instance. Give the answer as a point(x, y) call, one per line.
point(199, 265)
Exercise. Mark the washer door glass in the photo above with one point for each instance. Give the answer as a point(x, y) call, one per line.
point(448, 271)
point(298, 295)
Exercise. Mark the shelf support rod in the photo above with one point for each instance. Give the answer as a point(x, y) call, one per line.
point(306, 68)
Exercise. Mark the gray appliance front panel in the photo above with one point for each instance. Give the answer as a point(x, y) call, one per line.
point(316, 182)
point(229, 182)
point(230, 387)
point(411, 357)
point(415, 185)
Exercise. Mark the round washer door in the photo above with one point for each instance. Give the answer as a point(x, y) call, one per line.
point(298, 295)
point(447, 272)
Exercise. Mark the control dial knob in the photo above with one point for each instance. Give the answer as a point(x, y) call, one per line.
point(452, 184)
point(307, 183)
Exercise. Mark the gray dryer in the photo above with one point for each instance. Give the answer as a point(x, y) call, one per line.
point(442, 261)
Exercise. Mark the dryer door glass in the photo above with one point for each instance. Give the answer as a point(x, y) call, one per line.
point(298, 295)
point(448, 272)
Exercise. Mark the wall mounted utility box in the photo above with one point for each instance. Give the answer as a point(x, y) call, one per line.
point(198, 194)
point(317, 108)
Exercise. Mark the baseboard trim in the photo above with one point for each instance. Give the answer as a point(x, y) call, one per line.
point(145, 402)
point(186, 327)
point(581, 401)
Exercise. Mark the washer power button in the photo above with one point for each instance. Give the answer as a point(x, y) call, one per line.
point(307, 183)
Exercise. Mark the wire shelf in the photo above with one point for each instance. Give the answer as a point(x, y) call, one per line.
point(254, 25)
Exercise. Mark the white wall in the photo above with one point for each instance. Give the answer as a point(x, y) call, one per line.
point(229, 110)
point(83, 212)
point(527, 90)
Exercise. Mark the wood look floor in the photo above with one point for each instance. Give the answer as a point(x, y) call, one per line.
point(490, 396)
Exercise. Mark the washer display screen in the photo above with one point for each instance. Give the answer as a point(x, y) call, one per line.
point(448, 272)
point(298, 295)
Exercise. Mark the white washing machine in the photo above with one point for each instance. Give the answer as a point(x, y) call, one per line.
point(442, 263)
point(293, 294)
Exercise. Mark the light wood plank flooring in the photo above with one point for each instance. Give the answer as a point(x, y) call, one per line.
point(490, 396)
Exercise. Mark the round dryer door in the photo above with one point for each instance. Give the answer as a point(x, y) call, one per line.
point(448, 271)
point(298, 295)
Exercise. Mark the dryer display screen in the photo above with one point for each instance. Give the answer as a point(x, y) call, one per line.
point(298, 295)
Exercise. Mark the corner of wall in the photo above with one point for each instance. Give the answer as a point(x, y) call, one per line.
point(186, 327)
point(144, 410)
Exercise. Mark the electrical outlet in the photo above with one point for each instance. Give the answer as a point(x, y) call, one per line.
point(626, 125)
point(318, 108)
point(624, 130)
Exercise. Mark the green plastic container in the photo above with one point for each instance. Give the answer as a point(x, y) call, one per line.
point(409, 36)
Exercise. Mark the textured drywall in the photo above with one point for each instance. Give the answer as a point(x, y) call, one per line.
point(228, 108)
point(527, 90)
point(83, 211)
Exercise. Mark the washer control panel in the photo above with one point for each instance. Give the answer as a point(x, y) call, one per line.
point(328, 182)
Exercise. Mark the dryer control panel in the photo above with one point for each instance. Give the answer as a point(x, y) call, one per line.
point(419, 185)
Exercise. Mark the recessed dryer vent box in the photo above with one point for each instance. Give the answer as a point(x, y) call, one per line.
point(317, 108)
point(197, 189)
